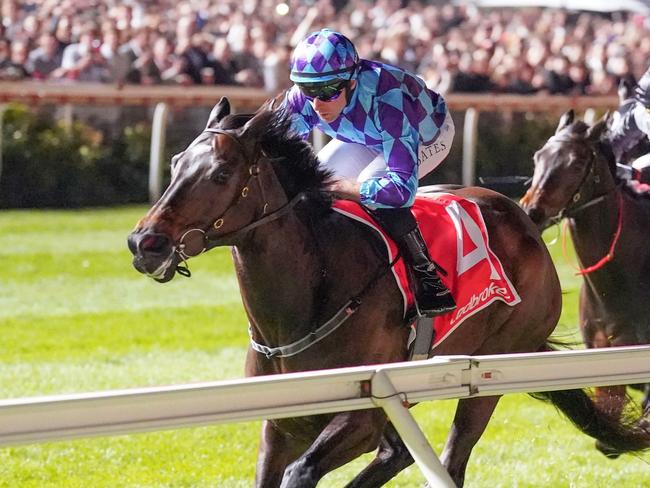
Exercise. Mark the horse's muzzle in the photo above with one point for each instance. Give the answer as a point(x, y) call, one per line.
point(153, 255)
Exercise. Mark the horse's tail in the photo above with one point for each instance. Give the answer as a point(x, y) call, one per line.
point(616, 433)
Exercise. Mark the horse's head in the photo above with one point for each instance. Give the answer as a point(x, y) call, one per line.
point(213, 192)
point(242, 171)
point(567, 171)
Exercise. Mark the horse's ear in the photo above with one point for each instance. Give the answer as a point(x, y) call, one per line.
point(565, 120)
point(256, 126)
point(219, 111)
point(594, 132)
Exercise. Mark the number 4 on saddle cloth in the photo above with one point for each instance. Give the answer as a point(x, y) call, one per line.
point(455, 233)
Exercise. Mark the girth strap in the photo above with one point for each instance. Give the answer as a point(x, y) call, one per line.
point(349, 309)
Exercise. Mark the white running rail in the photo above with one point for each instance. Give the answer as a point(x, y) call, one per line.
point(38, 419)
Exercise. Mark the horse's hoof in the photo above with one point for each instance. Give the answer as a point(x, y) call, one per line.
point(609, 452)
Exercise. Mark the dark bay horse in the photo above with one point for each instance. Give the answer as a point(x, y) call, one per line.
point(574, 179)
point(249, 182)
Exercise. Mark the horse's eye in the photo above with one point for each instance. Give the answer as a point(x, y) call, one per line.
point(221, 175)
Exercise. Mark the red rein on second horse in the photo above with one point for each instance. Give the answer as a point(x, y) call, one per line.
point(610, 253)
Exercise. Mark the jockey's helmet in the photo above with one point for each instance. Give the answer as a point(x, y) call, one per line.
point(324, 56)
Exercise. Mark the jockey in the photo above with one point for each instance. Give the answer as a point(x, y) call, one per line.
point(388, 130)
point(631, 123)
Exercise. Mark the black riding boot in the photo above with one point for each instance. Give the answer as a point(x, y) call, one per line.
point(432, 296)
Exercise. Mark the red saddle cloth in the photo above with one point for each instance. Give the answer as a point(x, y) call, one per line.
point(455, 233)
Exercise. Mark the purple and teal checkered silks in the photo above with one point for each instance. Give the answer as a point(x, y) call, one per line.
point(323, 56)
point(390, 111)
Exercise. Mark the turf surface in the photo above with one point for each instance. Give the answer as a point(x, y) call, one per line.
point(75, 316)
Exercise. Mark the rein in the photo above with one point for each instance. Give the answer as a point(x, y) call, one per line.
point(314, 336)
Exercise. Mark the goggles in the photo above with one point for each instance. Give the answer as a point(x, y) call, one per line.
point(323, 92)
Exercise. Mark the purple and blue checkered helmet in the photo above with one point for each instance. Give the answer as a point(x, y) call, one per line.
point(324, 56)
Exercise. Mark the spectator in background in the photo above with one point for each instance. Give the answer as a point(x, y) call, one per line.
point(473, 73)
point(133, 58)
point(46, 58)
point(10, 11)
point(6, 68)
point(110, 44)
point(83, 61)
point(165, 67)
point(194, 57)
point(31, 28)
point(219, 61)
point(276, 78)
point(63, 32)
point(429, 39)
point(522, 80)
point(15, 69)
point(558, 81)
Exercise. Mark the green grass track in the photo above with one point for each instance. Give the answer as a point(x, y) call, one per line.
point(75, 316)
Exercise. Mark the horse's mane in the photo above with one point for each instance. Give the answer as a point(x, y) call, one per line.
point(296, 164)
point(293, 158)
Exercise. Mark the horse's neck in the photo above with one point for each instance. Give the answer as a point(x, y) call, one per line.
point(280, 277)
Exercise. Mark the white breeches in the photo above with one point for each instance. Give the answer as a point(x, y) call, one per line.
point(359, 162)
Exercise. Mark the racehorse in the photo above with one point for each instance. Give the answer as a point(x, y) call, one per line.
point(575, 179)
point(249, 182)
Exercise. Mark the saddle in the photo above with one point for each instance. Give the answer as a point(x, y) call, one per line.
point(458, 241)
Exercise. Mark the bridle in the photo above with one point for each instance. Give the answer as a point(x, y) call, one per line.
point(208, 237)
point(575, 206)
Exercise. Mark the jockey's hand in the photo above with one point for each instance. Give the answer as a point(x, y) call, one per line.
point(345, 189)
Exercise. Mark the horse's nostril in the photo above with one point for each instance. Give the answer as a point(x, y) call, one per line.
point(154, 243)
point(132, 243)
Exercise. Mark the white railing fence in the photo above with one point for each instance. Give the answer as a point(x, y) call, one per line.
point(38, 419)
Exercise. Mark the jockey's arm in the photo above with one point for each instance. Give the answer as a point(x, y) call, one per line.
point(397, 185)
point(624, 132)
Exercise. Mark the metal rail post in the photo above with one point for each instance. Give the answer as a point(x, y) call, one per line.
point(3, 107)
point(385, 396)
point(469, 146)
point(158, 131)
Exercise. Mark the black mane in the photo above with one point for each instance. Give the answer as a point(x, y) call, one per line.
point(293, 159)
point(295, 162)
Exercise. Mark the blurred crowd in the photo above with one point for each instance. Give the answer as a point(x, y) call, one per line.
point(249, 43)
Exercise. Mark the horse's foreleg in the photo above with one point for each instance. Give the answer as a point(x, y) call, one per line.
point(272, 458)
point(345, 438)
point(472, 416)
point(392, 457)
